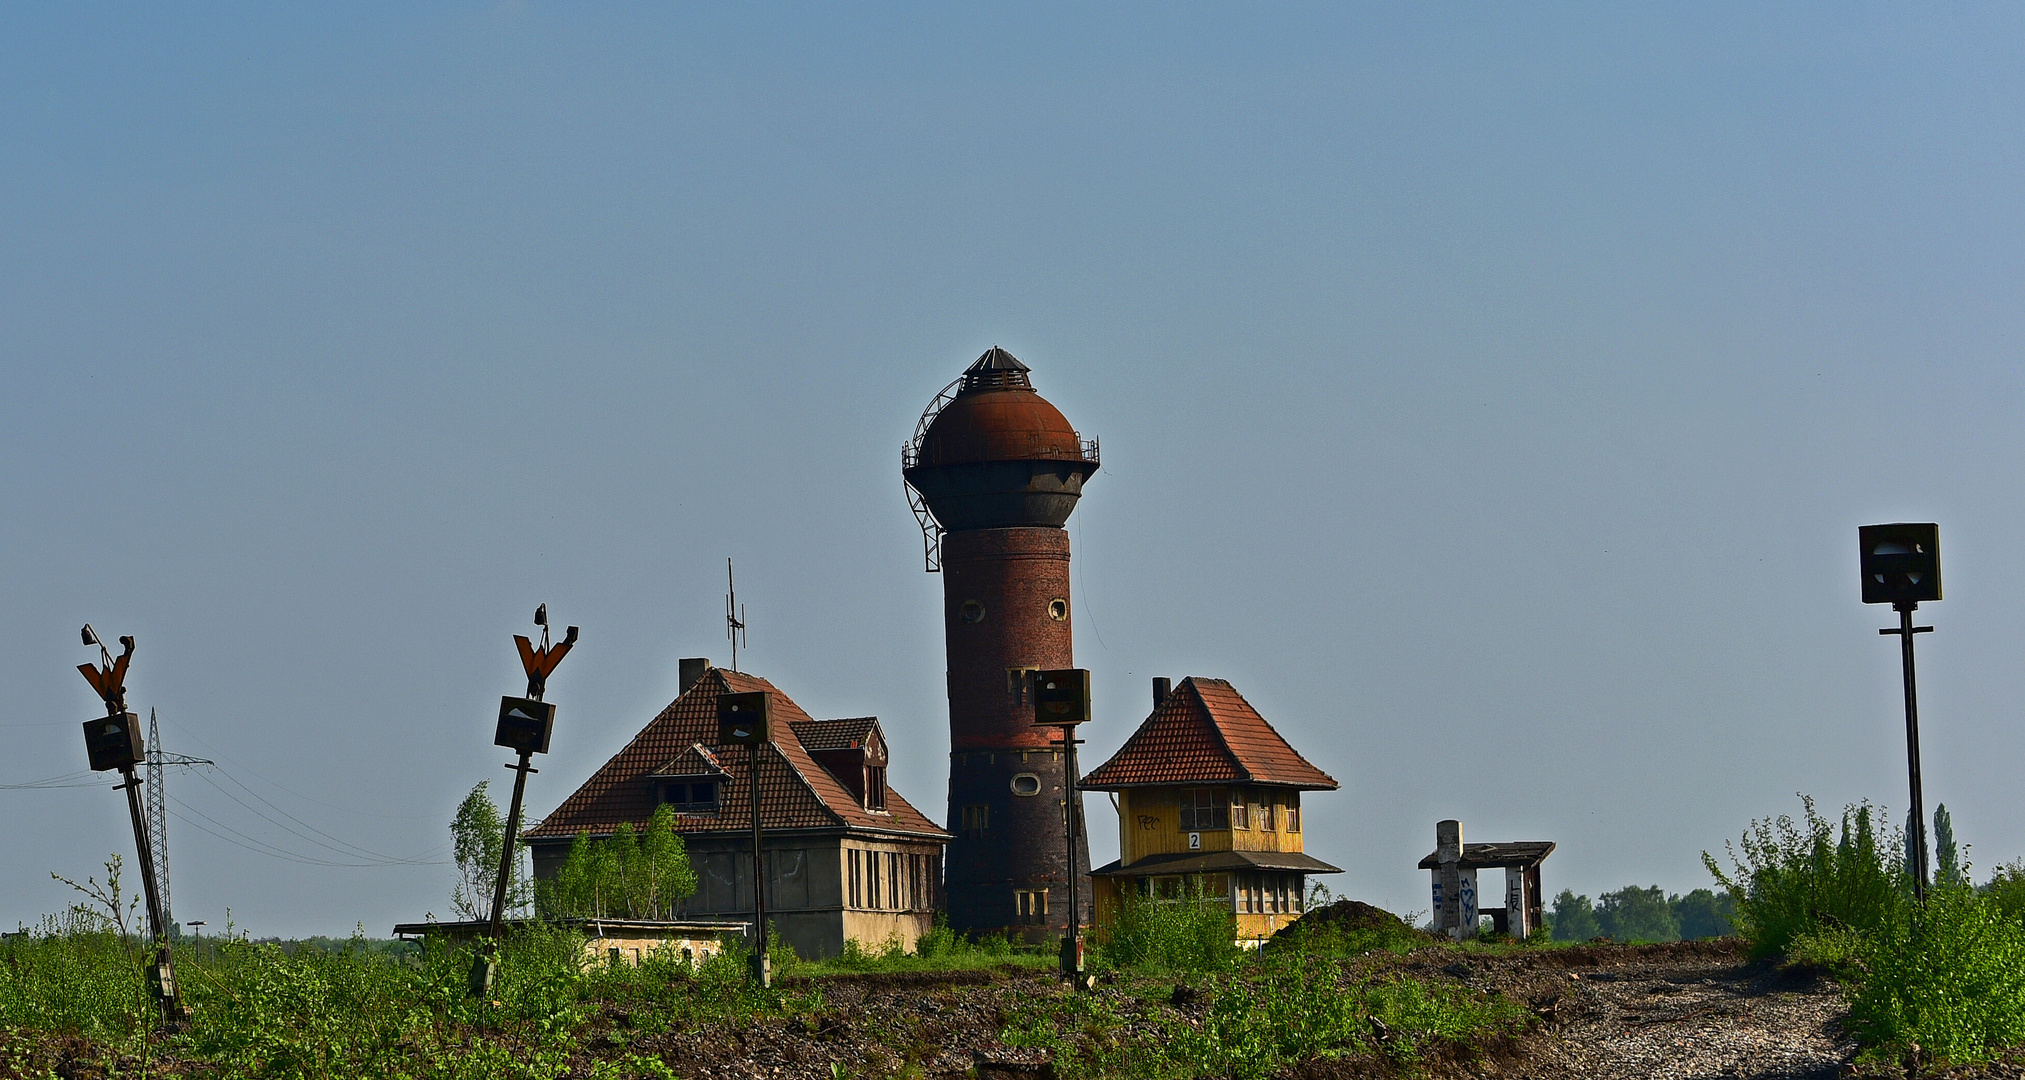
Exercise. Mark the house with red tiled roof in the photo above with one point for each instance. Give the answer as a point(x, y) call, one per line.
point(847, 858)
point(1208, 791)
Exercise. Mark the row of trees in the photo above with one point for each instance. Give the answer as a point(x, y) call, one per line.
point(628, 875)
point(632, 874)
point(1642, 914)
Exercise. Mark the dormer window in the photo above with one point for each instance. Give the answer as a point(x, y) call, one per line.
point(691, 794)
point(875, 787)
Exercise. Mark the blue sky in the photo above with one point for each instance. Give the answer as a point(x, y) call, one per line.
point(1491, 394)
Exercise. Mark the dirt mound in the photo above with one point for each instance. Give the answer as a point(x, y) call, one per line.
point(1344, 915)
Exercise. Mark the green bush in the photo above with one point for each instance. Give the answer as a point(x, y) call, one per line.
point(1949, 977)
point(1191, 932)
point(1797, 878)
point(1369, 930)
point(2007, 890)
point(1281, 1014)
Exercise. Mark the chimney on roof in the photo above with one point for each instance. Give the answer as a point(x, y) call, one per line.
point(693, 668)
point(1161, 688)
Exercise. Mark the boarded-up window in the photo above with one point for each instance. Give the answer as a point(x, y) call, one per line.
point(976, 820)
point(1031, 906)
point(788, 879)
point(719, 886)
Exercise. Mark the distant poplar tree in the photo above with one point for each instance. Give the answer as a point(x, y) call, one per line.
point(1948, 868)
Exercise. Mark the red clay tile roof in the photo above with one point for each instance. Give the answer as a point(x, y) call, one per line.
point(1206, 732)
point(698, 760)
point(795, 792)
point(835, 734)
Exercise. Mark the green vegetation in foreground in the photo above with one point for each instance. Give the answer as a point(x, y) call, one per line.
point(263, 1009)
point(1944, 983)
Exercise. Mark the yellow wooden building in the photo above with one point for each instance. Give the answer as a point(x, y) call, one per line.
point(1208, 792)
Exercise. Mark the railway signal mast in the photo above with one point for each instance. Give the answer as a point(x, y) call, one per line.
point(525, 725)
point(113, 741)
point(1901, 565)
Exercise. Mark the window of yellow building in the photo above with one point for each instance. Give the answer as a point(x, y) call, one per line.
point(1205, 808)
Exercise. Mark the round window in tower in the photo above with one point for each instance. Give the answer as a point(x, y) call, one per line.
point(1026, 784)
point(1058, 608)
point(971, 611)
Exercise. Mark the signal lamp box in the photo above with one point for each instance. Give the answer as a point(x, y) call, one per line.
point(1901, 562)
point(114, 742)
point(742, 719)
point(524, 725)
point(1061, 697)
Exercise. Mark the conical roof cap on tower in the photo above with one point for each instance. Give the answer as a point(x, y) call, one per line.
point(997, 368)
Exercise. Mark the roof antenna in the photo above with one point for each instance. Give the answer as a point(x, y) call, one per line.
point(734, 615)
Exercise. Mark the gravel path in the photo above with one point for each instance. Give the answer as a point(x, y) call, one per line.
point(1670, 1021)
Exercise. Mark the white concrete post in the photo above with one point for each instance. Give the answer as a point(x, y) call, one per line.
point(1449, 899)
point(1518, 906)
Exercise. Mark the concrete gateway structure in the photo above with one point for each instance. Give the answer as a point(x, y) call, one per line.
point(1207, 790)
point(846, 857)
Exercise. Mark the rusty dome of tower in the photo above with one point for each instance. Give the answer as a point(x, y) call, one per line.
point(997, 454)
point(997, 416)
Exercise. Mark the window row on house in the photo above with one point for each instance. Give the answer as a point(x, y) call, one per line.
point(890, 880)
point(1205, 809)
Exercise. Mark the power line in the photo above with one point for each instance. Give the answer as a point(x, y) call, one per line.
point(254, 773)
point(337, 845)
point(81, 778)
point(261, 847)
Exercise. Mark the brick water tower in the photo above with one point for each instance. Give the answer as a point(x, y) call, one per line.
point(993, 472)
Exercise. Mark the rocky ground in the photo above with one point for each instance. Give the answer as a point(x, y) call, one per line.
point(1679, 1012)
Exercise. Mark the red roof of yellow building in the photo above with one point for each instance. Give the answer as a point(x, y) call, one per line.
point(1205, 732)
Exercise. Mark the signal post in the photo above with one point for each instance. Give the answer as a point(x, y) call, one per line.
point(1062, 699)
point(525, 724)
point(114, 742)
point(743, 720)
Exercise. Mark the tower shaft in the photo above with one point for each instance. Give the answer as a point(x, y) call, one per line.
point(1006, 613)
